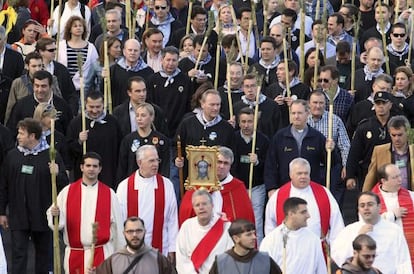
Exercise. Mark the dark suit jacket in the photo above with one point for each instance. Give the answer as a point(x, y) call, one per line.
point(380, 156)
point(66, 87)
point(121, 113)
point(12, 68)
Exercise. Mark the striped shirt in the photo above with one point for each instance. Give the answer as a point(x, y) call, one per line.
point(73, 58)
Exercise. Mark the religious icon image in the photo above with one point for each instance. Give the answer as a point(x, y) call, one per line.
point(202, 170)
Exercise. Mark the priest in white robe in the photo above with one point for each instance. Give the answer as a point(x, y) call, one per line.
point(303, 248)
point(201, 238)
point(81, 204)
point(392, 255)
point(151, 197)
point(325, 217)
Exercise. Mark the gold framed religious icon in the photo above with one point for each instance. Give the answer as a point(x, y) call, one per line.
point(202, 168)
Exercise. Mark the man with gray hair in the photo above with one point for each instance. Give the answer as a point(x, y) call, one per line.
point(11, 67)
point(151, 196)
point(113, 24)
point(325, 216)
point(398, 152)
point(233, 201)
point(202, 237)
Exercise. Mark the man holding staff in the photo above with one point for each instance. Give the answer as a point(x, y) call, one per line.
point(81, 204)
point(26, 190)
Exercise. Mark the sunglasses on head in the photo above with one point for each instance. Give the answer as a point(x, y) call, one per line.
point(320, 80)
point(160, 7)
point(398, 34)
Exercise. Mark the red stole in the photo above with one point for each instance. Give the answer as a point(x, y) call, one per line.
point(236, 203)
point(321, 198)
point(404, 200)
point(207, 244)
point(73, 220)
point(132, 202)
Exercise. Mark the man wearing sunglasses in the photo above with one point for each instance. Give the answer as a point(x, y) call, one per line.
point(398, 48)
point(363, 258)
point(164, 21)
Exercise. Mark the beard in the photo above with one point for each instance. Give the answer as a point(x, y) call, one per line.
point(361, 265)
point(135, 246)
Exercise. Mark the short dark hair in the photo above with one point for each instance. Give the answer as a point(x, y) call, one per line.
point(43, 74)
point(339, 18)
point(369, 193)
point(133, 79)
point(382, 173)
point(246, 110)
point(398, 26)
point(198, 40)
point(134, 219)
point(94, 95)
point(43, 42)
point(32, 126)
point(332, 69)
point(240, 226)
point(249, 76)
point(198, 10)
point(343, 47)
point(364, 240)
point(241, 11)
point(32, 55)
point(290, 13)
point(292, 66)
point(269, 39)
point(170, 50)
point(317, 22)
point(292, 203)
point(91, 155)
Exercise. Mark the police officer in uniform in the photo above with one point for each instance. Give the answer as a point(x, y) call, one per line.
point(369, 133)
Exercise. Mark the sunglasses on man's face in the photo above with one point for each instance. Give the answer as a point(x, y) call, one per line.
point(160, 7)
point(398, 35)
point(320, 80)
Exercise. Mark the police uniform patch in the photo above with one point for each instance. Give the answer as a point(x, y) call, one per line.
point(369, 134)
point(180, 88)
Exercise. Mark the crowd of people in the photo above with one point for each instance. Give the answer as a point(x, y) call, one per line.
point(94, 98)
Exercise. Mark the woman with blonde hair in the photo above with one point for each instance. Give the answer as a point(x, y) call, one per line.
point(225, 20)
point(146, 134)
point(44, 113)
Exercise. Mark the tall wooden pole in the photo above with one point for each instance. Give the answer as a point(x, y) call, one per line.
point(259, 80)
point(56, 246)
point(384, 39)
point(218, 53)
point(180, 169)
point(82, 98)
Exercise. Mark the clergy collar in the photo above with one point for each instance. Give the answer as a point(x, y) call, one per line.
point(92, 185)
point(226, 180)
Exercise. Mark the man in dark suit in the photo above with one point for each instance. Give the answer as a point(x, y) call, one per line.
point(11, 67)
point(125, 113)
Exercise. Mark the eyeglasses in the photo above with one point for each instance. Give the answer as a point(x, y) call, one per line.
point(134, 231)
point(369, 256)
point(398, 35)
point(160, 7)
point(320, 80)
point(51, 50)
